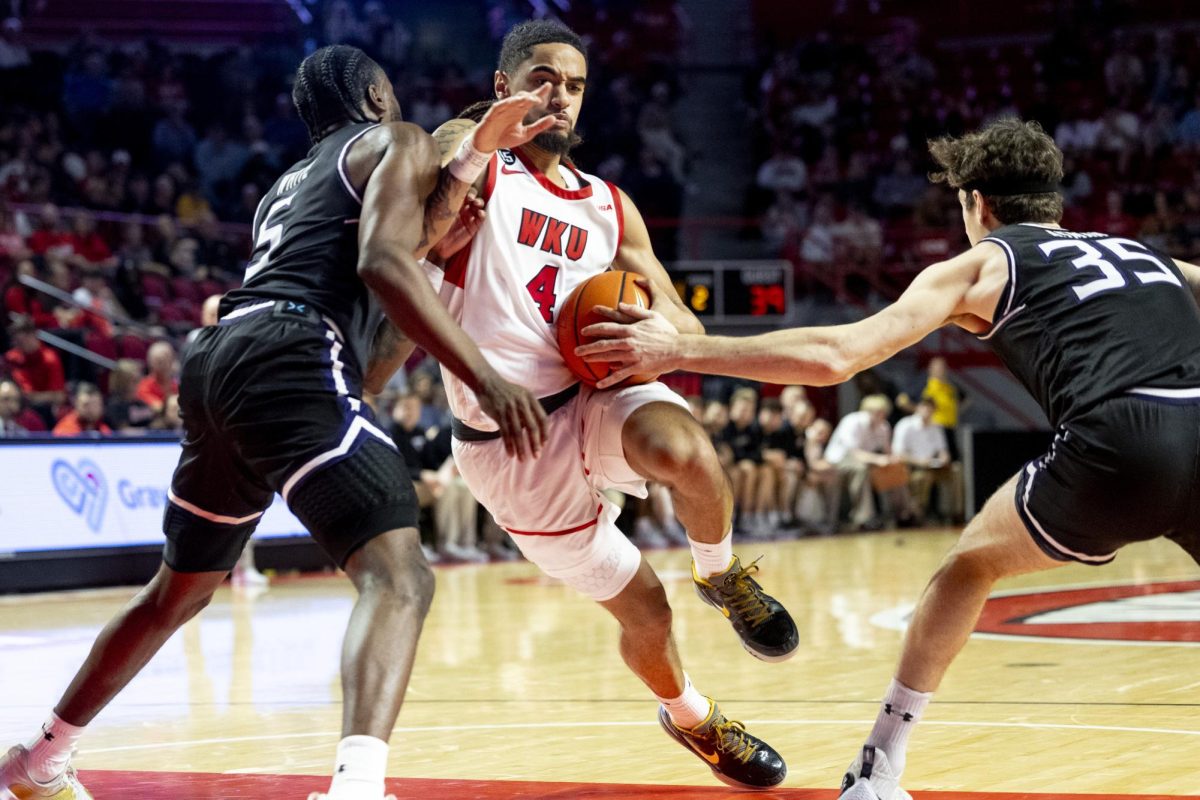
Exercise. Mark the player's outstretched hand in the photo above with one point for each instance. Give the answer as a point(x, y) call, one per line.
point(504, 127)
point(638, 341)
point(520, 416)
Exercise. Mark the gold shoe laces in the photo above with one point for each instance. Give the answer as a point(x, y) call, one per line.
point(744, 597)
point(732, 738)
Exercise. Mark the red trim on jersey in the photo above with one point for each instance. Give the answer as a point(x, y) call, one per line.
point(576, 529)
point(582, 193)
point(489, 183)
point(456, 267)
point(619, 206)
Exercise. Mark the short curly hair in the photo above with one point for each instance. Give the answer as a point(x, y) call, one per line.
point(1009, 152)
point(519, 42)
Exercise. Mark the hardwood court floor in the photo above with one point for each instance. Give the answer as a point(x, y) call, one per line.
point(519, 692)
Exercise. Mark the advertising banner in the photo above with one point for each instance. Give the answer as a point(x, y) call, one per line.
point(82, 494)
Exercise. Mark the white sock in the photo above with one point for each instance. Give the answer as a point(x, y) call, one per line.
point(690, 708)
point(51, 750)
point(712, 558)
point(898, 714)
point(360, 768)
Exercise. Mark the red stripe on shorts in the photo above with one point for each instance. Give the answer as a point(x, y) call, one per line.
point(576, 529)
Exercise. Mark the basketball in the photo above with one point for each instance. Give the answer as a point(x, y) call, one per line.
point(606, 289)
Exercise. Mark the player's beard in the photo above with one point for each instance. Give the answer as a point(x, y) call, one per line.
point(560, 144)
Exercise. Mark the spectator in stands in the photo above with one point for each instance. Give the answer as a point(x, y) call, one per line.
point(13, 53)
point(51, 236)
point(126, 412)
point(817, 249)
point(654, 127)
point(219, 160)
point(780, 472)
point(861, 442)
point(168, 420)
point(818, 505)
point(858, 239)
point(921, 443)
point(22, 301)
point(784, 223)
point(947, 400)
point(744, 439)
point(173, 139)
point(161, 383)
point(12, 243)
point(10, 410)
point(1187, 133)
point(87, 416)
point(88, 245)
point(36, 368)
point(784, 171)
point(898, 190)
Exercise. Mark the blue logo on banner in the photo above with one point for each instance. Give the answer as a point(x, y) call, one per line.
point(82, 488)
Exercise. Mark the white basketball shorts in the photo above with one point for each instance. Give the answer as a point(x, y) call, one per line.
point(553, 506)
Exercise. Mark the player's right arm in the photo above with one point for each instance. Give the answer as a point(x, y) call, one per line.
point(962, 290)
point(390, 227)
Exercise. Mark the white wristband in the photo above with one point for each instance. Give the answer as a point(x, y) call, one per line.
point(468, 162)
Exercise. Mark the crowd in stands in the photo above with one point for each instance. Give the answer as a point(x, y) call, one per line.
point(129, 174)
point(842, 123)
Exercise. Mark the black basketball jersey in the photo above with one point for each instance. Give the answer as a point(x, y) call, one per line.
point(1088, 316)
point(306, 243)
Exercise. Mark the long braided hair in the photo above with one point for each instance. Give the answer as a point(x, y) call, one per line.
point(331, 86)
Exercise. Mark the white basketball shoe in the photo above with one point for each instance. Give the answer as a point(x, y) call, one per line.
point(870, 778)
point(16, 784)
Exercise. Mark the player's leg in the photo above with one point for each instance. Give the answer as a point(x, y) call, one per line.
point(662, 442)
point(208, 520)
point(362, 510)
point(648, 649)
point(995, 545)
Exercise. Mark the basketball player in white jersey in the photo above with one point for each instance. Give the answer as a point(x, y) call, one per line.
point(547, 227)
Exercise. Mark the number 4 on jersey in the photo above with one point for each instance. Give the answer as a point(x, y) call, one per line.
point(541, 289)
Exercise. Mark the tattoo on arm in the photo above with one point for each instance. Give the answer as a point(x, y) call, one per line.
point(389, 350)
point(449, 135)
point(441, 207)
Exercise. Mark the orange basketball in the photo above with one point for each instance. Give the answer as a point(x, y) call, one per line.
point(606, 289)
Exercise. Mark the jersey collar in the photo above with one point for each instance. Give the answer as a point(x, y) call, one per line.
point(582, 193)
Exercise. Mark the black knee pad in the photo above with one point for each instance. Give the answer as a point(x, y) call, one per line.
point(348, 503)
point(195, 544)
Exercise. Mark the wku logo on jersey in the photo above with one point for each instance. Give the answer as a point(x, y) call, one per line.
point(551, 235)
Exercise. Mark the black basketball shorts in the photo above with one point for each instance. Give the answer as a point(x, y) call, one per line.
point(1127, 470)
point(269, 406)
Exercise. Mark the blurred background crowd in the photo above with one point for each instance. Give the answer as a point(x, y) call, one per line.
point(132, 161)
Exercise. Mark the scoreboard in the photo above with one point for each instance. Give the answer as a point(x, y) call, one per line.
point(736, 292)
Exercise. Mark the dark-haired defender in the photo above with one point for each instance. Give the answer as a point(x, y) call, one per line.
point(271, 398)
point(549, 227)
point(1103, 331)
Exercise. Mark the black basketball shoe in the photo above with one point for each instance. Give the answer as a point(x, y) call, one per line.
point(735, 757)
point(763, 624)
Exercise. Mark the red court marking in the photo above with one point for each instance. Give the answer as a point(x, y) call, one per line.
point(112, 785)
point(1008, 614)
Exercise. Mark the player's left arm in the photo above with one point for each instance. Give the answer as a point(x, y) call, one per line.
point(821, 356)
point(636, 254)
